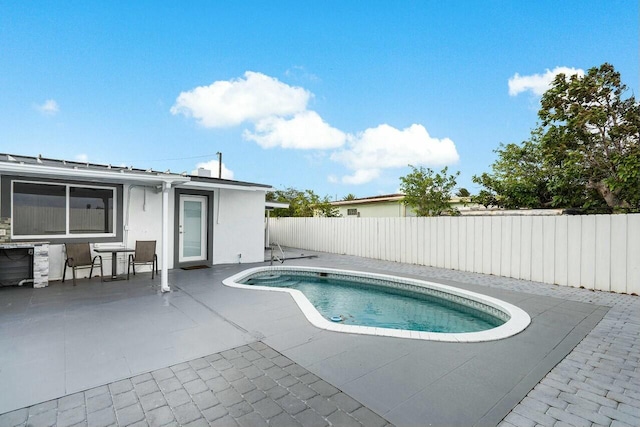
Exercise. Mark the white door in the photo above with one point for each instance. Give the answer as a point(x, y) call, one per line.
point(193, 228)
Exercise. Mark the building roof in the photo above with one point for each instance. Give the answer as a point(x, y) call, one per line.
point(46, 167)
point(374, 199)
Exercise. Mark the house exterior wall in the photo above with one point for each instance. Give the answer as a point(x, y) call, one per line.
point(390, 209)
point(143, 221)
point(238, 227)
point(237, 221)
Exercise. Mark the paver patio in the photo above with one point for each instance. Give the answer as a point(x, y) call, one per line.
point(65, 341)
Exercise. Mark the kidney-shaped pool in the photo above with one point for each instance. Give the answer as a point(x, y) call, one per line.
point(376, 304)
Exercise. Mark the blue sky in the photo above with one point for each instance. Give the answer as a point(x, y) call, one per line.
point(333, 96)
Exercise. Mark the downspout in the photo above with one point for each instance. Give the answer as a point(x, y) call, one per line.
point(218, 206)
point(268, 242)
point(164, 271)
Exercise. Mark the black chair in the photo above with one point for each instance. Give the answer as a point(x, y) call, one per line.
point(79, 256)
point(145, 253)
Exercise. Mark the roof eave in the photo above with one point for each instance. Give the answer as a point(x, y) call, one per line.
point(121, 175)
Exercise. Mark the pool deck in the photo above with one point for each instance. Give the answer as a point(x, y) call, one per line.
point(98, 354)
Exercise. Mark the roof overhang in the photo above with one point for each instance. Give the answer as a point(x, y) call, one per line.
point(369, 200)
point(202, 185)
point(118, 176)
point(275, 205)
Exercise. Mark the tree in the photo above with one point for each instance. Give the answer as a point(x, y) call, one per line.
point(584, 154)
point(428, 192)
point(592, 132)
point(302, 203)
point(518, 178)
point(349, 196)
point(463, 192)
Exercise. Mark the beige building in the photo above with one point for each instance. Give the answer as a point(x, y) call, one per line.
point(385, 206)
point(391, 206)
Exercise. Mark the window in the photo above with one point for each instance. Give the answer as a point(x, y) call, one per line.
point(62, 210)
point(352, 211)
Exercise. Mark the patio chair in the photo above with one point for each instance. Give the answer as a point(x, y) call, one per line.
point(79, 256)
point(145, 253)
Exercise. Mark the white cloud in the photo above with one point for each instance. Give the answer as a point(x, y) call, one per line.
point(212, 165)
point(230, 103)
point(83, 158)
point(49, 107)
point(277, 116)
point(306, 130)
point(385, 147)
point(299, 72)
point(538, 84)
point(361, 176)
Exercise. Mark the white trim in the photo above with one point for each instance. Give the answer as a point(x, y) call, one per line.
point(209, 185)
point(275, 205)
point(69, 173)
point(204, 223)
point(518, 318)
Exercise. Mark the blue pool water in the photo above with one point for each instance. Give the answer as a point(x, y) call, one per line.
point(377, 306)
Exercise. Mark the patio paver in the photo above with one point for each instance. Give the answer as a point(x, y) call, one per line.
point(596, 381)
point(197, 405)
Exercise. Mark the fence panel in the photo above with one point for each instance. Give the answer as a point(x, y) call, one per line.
point(633, 254)
point(537, 249)
point(548, 249)
point(454, 240)
point(506, 237)
point(496, 241)
point(593, 251)
point(574, 248)
point(588, 252)
point(561, 258)
point(603, 253)
point(462, 243)
point(525, 249)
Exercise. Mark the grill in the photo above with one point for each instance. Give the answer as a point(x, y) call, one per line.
point(16, 266)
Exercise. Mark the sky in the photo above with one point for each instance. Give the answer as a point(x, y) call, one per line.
point(338, 97)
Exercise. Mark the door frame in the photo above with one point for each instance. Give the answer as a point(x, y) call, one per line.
point(176, 227)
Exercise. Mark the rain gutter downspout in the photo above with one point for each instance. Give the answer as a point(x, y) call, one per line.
point(164, 271)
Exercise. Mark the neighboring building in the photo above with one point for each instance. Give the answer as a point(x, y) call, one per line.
point(384, 206)
point(387, 206)
point(196, 220)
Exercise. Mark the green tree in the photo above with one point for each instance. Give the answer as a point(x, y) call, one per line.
point(463, 192)
point(584, 154)
point(349, 196)
point(592, 134)
point(302, 203)
point(427, 192)
point(518, 178)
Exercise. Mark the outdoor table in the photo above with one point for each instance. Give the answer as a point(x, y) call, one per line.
point(114, 264)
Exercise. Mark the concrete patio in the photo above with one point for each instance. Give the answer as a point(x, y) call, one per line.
point(72, 341)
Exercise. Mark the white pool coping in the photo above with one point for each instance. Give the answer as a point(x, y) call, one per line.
point(518, 318)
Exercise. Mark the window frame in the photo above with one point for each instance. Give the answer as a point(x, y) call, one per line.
point(67, 235)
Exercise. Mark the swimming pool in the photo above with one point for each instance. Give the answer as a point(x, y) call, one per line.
point(375, 304)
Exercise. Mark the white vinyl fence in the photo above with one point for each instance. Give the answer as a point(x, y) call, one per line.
point(593, 251)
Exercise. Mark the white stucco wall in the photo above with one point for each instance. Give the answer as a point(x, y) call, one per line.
point(144, 223)
point(238, 227)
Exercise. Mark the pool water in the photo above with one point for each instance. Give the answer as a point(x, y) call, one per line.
point(360, 304)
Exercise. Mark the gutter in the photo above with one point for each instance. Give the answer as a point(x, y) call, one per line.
point(121, 175)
